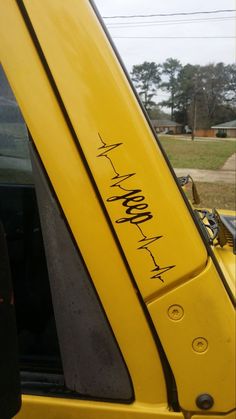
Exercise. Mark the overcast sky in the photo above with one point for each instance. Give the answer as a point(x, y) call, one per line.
point(195, 51)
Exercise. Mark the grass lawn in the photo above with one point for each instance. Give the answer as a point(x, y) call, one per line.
point(201, 154)
point(215, 195)
point(182, 154)
point(209, 155)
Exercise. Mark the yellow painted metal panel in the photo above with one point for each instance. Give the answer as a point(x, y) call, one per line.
point(231, 415)
point(196, 324)
point(44, 407)
point(79, 202)
point(155, 229)
point(117, 142)
point(226, 260)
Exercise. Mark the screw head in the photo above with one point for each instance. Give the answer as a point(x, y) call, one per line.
point(200, 345)
point(204, 401)
point(175, 312)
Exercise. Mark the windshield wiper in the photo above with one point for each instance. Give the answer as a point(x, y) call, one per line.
point(185, 180)
point(219, 229)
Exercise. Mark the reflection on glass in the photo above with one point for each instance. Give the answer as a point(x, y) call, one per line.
point(15, 166)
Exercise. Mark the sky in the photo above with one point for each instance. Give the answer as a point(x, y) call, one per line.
point(128, 33)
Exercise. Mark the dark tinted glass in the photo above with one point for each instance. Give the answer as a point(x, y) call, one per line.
point(92, 363)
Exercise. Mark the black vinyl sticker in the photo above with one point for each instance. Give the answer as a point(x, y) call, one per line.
point(135, 208)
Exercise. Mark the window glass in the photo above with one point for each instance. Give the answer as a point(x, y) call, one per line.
point(14, 154)
point(37, 337)
point(92, 363)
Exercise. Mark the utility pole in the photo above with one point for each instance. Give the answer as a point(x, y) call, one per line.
point(194, 115)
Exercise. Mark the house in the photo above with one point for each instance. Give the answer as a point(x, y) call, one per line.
point(227, 129)
point(166, 126)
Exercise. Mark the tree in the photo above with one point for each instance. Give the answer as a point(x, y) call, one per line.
point(146, 78)
point(231, 95)
point(199, 96)
point(157, 113)
point(186, 87)
point(205, 95)
point(219, 83)
point(170, 69)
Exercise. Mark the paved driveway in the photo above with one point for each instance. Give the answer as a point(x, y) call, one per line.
point(227, 174)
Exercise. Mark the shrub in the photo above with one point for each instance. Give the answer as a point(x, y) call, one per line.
point(221, 134)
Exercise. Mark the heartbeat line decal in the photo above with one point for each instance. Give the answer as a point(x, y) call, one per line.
point(136, 209)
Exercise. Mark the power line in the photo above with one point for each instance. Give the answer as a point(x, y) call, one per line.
point(174, 37)
point(169, 21)
point(170, 14)
point(166, 22)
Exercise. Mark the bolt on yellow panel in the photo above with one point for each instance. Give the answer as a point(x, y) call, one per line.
point(196, 325)
point(81, 207)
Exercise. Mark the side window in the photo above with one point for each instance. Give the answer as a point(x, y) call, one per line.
point(51, 280)
point(37, 336)
point(14, 153)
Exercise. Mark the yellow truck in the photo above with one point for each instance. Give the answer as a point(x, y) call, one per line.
point(124, 305)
